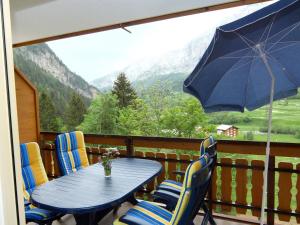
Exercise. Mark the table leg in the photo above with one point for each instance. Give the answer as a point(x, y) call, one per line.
point(132, 200)
point(91, 218)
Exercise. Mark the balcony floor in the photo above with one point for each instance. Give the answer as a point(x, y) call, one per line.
point(108, 220)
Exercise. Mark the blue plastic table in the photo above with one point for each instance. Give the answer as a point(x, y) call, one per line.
point(89, 195)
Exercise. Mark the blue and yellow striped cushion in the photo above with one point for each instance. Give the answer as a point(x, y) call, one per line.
point(71, 152)
point(33, 171)
point(37, 214)
point(171, 184)
point(176, 186)
point(33, 174)
point(148, 212)
point(185, 194)
point(205, 144)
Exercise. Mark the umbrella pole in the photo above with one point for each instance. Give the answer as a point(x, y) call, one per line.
point(264, 197)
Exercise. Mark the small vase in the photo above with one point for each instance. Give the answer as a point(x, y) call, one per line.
point(107, 171)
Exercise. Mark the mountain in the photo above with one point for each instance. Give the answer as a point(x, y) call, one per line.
point(45, 58)
point(172, 66)
point(49, 74)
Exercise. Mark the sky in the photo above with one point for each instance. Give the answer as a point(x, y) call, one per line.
point(94, 55)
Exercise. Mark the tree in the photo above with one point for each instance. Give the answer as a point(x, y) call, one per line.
point(75, 111)
point(136, 119)
point(123, 90)
point(158, 97)
point(48, 116)
point(101, 117)
point(183, 119)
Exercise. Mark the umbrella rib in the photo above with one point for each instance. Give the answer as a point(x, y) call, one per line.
point(247, 85)
point(269, 28)
point(244, 39)
point(240, 66)
point(235, 57)
point(230, 69)
point(294, 26)
point(234, 52)
point(288, 75)
point(278, 49)
point(272, 22)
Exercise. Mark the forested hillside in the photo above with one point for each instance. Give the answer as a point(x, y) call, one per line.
point(57, 85)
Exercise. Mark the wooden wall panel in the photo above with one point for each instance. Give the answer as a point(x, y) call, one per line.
point(28, 109)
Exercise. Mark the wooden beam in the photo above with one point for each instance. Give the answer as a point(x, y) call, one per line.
point(142, 21)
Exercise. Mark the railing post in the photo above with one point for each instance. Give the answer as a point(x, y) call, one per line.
point(271, 191)
point(129, 147)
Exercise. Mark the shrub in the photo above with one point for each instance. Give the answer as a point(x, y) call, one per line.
point(249, 136)
point(297, 135)
point(281, 130)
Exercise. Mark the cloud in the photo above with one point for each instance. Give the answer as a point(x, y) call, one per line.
point(95, 55)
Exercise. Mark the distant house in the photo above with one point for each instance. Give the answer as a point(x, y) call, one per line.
point(227, 130)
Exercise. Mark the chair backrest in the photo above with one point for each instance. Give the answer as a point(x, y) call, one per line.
point(33, 170)
point(71, 152)
point(194, 189)
point(207, 142)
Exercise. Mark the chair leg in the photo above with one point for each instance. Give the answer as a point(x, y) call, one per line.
point(115, 211)
point(205, 220)
point(208, 215)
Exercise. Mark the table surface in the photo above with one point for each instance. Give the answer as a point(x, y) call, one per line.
point(88, 190)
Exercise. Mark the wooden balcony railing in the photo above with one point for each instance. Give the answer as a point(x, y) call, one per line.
point(237, 181)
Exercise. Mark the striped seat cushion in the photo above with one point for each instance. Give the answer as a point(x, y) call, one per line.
point(183, 208)
point(171, 185)
point(71, 152)
point(205, 144)
point(33, 171)
point(37, 214)
point(174, 186)
point(146, 213)
point(33, 174)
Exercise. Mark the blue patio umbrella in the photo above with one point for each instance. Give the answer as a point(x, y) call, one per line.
point(250, 63)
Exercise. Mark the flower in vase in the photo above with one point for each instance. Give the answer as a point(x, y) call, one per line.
point(106, 159)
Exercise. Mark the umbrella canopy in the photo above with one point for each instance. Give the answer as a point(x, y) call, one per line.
point(250, 63)
point(232, 76)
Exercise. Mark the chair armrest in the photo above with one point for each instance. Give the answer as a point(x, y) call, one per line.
point(130, 220)
point(26, 202)
point(178, 172)
point(169, 189)
point(166, 196)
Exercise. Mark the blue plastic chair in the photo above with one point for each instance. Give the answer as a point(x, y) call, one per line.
point(71, 152)
point(207, 145)
point(194, 189)
point(34, 174)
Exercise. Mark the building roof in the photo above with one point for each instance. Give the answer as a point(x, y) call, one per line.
point(225, 127)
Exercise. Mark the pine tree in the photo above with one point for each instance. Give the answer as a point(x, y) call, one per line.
point(48, 116)
point(75, 112)
point(124, 91)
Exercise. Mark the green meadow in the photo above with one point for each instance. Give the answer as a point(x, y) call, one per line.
point(285, 122)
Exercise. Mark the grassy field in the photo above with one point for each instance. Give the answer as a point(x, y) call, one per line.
point(286, 115)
